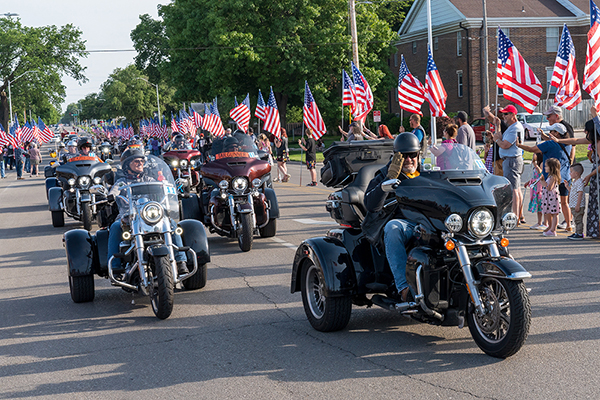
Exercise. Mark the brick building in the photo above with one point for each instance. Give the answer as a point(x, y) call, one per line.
point(534, 26)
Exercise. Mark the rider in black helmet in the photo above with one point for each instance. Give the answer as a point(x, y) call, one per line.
point(397, 232)
point(84, 145)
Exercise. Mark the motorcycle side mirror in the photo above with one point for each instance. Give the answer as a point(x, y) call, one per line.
point(390, 185)
point(98, 189)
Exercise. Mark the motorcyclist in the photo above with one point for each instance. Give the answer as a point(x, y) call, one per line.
point(179, 143)
point(84, 145)
point(397, 232)
point(231, 144)
point(132, 165)
point(71, 152)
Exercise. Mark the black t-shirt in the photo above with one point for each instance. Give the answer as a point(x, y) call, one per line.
point(570, 131)
point(311, 149)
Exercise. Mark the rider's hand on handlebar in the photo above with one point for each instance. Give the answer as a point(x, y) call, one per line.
point(395, 166)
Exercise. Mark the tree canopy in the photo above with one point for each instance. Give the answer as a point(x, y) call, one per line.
point(234, 47)
point(34, 60)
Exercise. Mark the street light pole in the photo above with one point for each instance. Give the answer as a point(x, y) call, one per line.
point(157, 100)
point(353, 33)
point(9, 95)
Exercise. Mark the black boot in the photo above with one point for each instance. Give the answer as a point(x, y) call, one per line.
point(182, 268)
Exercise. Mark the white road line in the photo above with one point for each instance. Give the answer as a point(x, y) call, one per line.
point(309, 221)
point(284, 243)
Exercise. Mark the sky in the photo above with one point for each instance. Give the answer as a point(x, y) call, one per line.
point(106, 25)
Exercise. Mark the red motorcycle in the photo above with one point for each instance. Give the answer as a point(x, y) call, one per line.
point(184, 164)
point(237, 200)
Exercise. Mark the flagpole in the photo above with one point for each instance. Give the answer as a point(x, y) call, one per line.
point(496, 113)
point(342, 99)
point(301, 152)
point(432, 126)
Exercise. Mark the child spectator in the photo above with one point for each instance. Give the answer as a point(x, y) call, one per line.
point(488, 151)
point(535, 191)
point(550, 202)
point(577, 200)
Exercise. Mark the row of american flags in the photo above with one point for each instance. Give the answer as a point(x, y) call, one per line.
point(29, 132)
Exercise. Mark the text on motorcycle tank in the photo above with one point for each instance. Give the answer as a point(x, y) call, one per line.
point(233, 154)
point(83, 158)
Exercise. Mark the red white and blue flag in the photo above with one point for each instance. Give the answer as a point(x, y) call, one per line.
point(364, 95)
point(411, 93)
point(272, 122)
point(174, 127)
point(261, 108)
point(196, 118)
point(591, 72)
point(564, 76)
point(436, 94)
point(517, 81)
point(3, 138)
point(348, 93)
point(217, 125)
point(241, 114)
point(312, 116)
point(27, 133)
point(14, 133)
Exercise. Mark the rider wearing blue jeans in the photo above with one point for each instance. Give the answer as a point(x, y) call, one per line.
point(397, 232)
point(132, 164)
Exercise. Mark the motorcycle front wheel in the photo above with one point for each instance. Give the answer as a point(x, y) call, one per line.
point(162, 291)
point(246, 234)
point(86, 216)
point(325, 313)
point(502, 331)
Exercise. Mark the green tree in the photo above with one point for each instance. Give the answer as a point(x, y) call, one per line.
point(151, 45)
point(394, 12)
point(45, 54)
point(237, 47)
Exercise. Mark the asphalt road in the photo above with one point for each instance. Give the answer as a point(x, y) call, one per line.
point(245, 336)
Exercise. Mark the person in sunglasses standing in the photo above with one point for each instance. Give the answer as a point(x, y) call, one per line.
point(396, 231)
point(511, 155)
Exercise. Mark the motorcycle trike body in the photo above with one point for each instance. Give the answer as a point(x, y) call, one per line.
point(149, 212)
point(459, 268)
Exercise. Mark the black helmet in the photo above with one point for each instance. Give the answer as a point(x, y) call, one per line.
point(229, 143)
point(406, 142)
point(129, 155)
point(84, 141)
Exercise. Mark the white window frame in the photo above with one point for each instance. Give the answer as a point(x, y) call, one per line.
point(396, 59)
point(435, 43)
point(414, 47)
point(459, 43)
point(552, 39)
point(459, 79)
point(549, 72)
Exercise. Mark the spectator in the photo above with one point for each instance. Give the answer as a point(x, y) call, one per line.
point(10, 153)
point(353, 132)
point(384, 132)
point(282, 156)
point(35, 158)
point(550, 204)
point(310, 147)
point(488, 151)
point(497, 123)
point(19, 152)
point(535, 191)
point(551, 149)
point(577, 200)
point(3, 162)
point(512, 160)
point(466, 135)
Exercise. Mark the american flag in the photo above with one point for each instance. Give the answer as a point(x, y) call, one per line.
point(411, 93)
point(312, 116)
point(27, 133)
point(174, 126)
point(272, 123)
point(515, 78)
point(348, 93)
point(564, 77)
point(15, 133)
point(591, 72)
point(364, 95)
point(196, 117)
point(436, 94)
point(261, 109)
point(3, 137)
point(241, 114)
point(218, 129)
point(46, 133)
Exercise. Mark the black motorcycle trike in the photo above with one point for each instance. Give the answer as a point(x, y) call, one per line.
point(459, 266)
point(68, 190)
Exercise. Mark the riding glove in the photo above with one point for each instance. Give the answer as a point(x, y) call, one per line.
point(395, 166)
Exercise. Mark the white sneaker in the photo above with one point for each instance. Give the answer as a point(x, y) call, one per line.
point(562, 225)
point(538, 227)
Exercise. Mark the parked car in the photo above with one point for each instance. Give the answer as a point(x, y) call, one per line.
point(534, 120)
point(478, 126)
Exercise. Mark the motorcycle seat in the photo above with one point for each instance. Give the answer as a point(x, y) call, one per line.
point(354, 193)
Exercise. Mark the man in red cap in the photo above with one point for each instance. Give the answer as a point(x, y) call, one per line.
point(511, 155)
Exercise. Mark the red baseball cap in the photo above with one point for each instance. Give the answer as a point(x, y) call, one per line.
point(509, 109)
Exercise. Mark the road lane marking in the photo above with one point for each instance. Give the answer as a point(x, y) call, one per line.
point(309, 221)
point(284, 243)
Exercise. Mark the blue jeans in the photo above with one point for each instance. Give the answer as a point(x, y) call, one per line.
point(27, 165)
point(114, 240)
point(396, 235)
point(19, 168)
point(2, 172)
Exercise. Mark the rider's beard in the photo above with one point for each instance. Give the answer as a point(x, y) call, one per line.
point(409, 169)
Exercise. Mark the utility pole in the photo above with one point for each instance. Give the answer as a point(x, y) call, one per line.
point(352, 12)
point(486, 73)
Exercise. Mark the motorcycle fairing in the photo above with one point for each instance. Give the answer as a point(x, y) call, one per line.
point(80, 253)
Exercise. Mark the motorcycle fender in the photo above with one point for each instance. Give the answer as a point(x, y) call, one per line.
point(102, 249)
point(80, 252)
point(331, 257)
point(504, 267)
point(245, 208)
point(54, 199)
point(194, 236)
point(158, 250)
point(85, 197)
point(272, 199)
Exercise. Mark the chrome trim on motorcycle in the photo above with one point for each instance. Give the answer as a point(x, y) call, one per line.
point(420, 298)
point(185, 276)
point(213, 222)
point(114, 280)
point(465, 264)
point(519, 275)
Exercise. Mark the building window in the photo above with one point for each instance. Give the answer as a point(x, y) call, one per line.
point(459, 75)
point(506, 32)
point(549, 72)
point(415, 47)
point(459, 43)
point(395, 59)
point(552, 39)
point(435, 43)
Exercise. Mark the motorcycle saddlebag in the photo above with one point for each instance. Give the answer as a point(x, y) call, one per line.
point(343, 160)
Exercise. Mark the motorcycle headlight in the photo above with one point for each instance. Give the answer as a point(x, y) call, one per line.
point(509, 221)
point(481, 222)
point(256, 182)
point(105, 150)
point(175, 163)
point(71, 181)
point(183, 163)
point(454, 223)
point(152, 213)
point(84, 181)
point(239, 184)
point(224, 185)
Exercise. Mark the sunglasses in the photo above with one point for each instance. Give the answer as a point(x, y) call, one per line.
point(137, 161)
point(411, 155)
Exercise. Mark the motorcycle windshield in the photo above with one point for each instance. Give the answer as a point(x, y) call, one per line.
point(454, 156)
point(237, 146)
